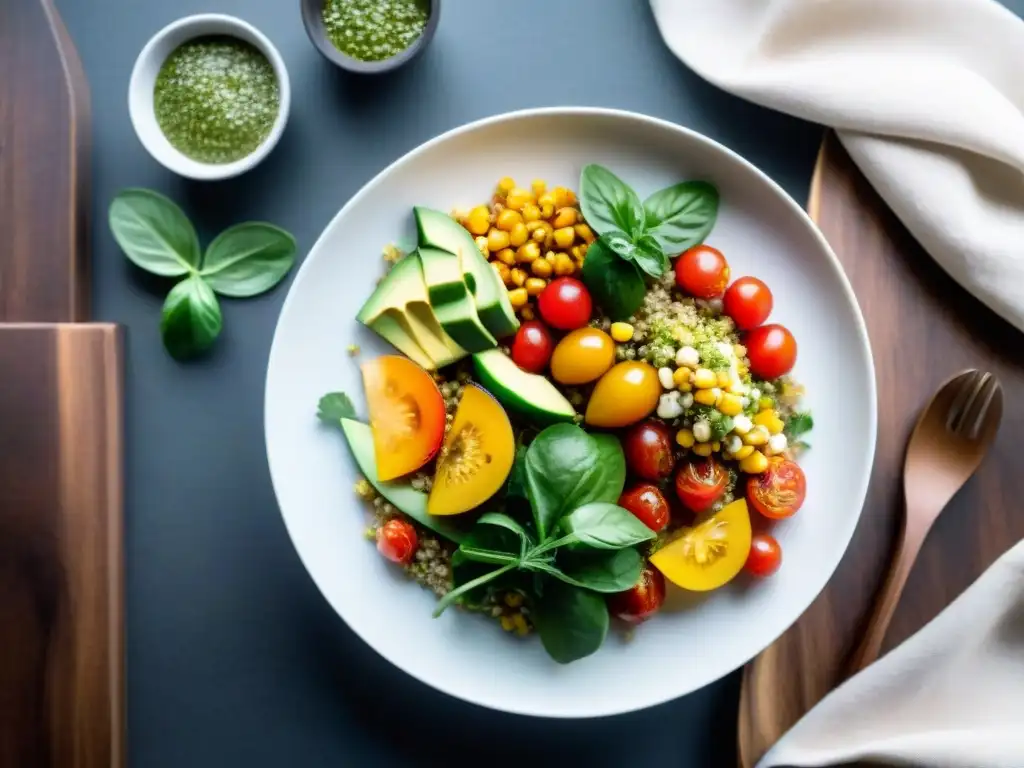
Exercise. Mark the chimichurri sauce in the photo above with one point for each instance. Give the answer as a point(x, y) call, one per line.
point(373, 30)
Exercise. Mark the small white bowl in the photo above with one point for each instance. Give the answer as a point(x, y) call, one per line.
point(143, 81)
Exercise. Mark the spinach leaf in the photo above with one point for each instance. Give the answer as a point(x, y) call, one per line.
point(469, 586)
point(517, 477)
point(608, 203)
point(615, 284)
point(154, 233)
point(500, 527)
point(603, 526)
point(191, 318)
point(333, 407)
point(613, 460)
point(649, 256)
point(248, 259)
point(603, 570)
point(798, 424)
point(682, 215)
point(572, 622)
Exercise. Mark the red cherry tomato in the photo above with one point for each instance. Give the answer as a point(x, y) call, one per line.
point(772, 351)
point(700, 482)
point(779, 491)
point(397, 541)
point(765, 555)
point(702, 272)
point(532, 346)
point(565, 304)
point(748, 302)
point(642, 600)
point(649, 451)
point(647, 504)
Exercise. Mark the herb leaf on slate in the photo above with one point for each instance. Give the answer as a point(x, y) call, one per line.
point(248, 259)
point(154, 233)
point(191, 319)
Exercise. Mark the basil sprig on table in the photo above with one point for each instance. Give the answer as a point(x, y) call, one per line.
point(637, 238)
point(242, 261)
point(578, 545)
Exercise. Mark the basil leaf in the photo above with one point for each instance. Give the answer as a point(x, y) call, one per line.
point(248, 259)
point(517, 477)
point(154, 233)
point(613, 461)
point(682, 215)
point(608, 203)
point(494, 540)
point(603, 570)
point(604, 526)
point(333, 407)
point(572, 622)
point(649, 256)
point(501, 520)
point(615, 284)
point(191, 318)
point(469, 586)
point(621, 244)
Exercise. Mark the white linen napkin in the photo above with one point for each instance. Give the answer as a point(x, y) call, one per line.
point(951, 696)
point(927, 96)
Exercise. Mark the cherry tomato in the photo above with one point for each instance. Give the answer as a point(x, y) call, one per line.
point(642, 600)
point(772, 351)
point(649, 451)
point(702, 272)
point(582, 356)
point(397, 541)
point(627, 393)
point(779, 491)
point(748, 302)
point(647, 504)
point(532, 346)
point(700, 482)
point(765, 555)
point(565, 304)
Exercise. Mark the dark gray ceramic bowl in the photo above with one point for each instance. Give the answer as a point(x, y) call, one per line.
point(312, 17)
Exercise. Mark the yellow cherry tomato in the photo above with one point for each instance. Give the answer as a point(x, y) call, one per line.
point(624, 395)
point(710, 554)
point(582, 356)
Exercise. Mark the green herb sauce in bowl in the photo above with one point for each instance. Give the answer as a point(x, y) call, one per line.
point(216, 99)
point(374, 30)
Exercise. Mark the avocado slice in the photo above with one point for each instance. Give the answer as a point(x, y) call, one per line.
point(452, 302)
point(402, 297)
point(391, 327)
point(438, 230)
point(406, 498)
point(531, 395)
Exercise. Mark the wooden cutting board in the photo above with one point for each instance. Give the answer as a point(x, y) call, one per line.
point(61, 572)
point(923, 328)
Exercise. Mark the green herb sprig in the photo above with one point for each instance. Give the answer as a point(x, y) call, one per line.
point(637, 238)
point(242, 261)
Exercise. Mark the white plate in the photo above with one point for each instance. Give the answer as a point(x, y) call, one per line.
point(692, 642)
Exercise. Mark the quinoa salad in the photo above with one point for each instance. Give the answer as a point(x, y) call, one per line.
point(584, 410)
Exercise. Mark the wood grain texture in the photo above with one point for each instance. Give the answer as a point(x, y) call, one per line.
point(923, 328)
point(61, 579)
point(44, 142)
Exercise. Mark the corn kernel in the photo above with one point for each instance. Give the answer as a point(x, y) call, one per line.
point(564, 237)
point(705, 396)
point(527, 313)
point(685, 438)
point(702, 449)
point(743, 452)
point(518, 297)
point(503, 271)
point(519, 622)
point(547, 205)
point(550, 256)
point(518, 235)
point(585, 233)
point(765, 403)
point(723, 378)
point(739, 351)
point(497, 239)
point(507, 219)
point(560, 196)
point(730, 404)
point(541, 268)
point(507, 623)
point(506, 256)
point(570, 197)
point(481, 244)
point(579, 252)
point(716, 446)
point(518, 198)
point(565, 217)
point(564, 265)
point(704, 379)
point(506, 185)
point(513, 599)
point(770, 420)
point(518, 277)
point(539, 187)
point(758, 435)
point(528, 252)
point(530, 212)
point(534, 285)
point(754, 464)
point(621, 332)
point(479, 220)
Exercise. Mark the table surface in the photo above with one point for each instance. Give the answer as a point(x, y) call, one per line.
point(234, 658)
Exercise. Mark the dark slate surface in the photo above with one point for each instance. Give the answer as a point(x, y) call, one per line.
point(234, 659)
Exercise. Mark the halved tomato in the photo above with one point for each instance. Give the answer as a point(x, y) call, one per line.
point(700, 482)
point(711, 553)
point(406, 414)
point(779, 491)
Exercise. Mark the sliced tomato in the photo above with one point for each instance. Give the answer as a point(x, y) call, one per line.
point(779, 491)
point(406, 414)
point(700, 482)
point(711, 553)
